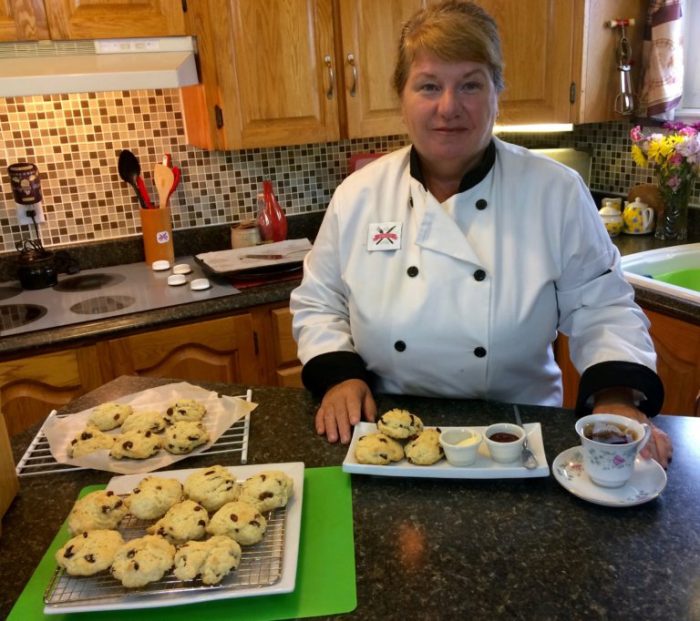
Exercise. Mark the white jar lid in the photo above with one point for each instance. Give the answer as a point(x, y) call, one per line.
point(199, 284)
point(159, 266)
point(175, 280)
point(182, 268)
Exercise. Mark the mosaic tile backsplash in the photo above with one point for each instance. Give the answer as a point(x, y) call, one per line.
point(75, 142)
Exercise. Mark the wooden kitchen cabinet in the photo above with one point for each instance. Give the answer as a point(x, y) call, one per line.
point(287, 365)
point(218, 350)
point(560, 58)
point(306, 71)
point(31, 387)
point(22, 20)
point(677, 346)
point(301, 71)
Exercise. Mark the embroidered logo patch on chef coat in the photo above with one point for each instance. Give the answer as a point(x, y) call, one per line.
point(384, 236)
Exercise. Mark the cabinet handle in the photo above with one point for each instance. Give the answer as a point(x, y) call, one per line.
point(219, 115)
point(351, 62)
point(331, 76)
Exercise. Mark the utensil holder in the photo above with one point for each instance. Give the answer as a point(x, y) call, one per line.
point(157, 235)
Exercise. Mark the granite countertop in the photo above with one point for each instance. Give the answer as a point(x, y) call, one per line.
point(440, 548)
point(212, 238)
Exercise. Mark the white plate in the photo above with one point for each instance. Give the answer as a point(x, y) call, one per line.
point(286, 583)
point(647, 481)
point(483, 468)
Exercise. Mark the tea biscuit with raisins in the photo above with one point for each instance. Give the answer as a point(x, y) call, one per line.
point(136, 445)
point(142, 560)
point(267, 490)
point(211, 559)
point(425, 449)
point(90, 552)
point(100, 510)
point(107, 416)
point(399, 424)
point(240, 521)
point(88, 441)
point(184, 436)
point(185, 409)
point(144, 421)
point(183, 521)
point(212, 487)
point(378, 449)
point(153, 496)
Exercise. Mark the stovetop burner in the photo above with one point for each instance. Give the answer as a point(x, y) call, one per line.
point(103, 304)
point(16, 315)
point(88, 282)
point(9, 291)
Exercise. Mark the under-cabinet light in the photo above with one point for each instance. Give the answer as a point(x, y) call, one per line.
point(534, 128)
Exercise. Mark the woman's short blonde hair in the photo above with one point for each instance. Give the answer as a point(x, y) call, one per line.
point(454, 31)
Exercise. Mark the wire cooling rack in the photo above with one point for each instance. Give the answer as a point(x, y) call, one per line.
point(37, 459)
point(260, 566)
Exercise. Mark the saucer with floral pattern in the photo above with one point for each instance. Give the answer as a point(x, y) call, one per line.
point(647, 481)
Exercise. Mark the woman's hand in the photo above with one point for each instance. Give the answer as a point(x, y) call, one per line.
point(342, 407)
point(659, 446)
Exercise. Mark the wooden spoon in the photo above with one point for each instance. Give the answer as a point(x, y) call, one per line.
point(163, 177)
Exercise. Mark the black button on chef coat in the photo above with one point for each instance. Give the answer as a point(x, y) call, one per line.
point(479, 352)
point(400, 346)
point(412, 271)
point(479, 275)
point(481, 204)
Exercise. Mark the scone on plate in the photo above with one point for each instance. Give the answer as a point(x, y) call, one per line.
point(183, 521)
point(212, 487)
point(399, 424)
point(100, 510)
point(211, 559)
point(185, 409)
point(425, 448)
point(153, 496)
point(136, 445)
point(378, 449)
point(90, 552)
point(267, 490)
point(142, 560)
point(184, 436)
point(88, 441)
point(144, 421)
point(110, 415)
point(240, 521)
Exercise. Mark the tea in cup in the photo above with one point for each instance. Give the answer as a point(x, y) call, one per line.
point(610, 445)
point(638, 218)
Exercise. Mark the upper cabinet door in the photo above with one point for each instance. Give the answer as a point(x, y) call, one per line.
point(277, 71)
point(370, 35)
point(537, 42)
point(96, 19)
point(22, 20)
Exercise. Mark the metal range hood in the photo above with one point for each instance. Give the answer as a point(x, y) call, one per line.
point(55, 67)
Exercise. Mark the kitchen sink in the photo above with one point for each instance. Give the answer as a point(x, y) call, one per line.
point(673, 271)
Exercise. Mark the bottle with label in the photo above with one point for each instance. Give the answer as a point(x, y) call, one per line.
point(271, 219)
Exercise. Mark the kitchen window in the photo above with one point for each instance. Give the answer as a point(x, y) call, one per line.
point(690, 102)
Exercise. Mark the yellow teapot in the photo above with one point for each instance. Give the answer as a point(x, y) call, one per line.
point(638, 218)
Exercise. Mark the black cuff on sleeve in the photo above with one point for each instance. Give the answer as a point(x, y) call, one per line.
point(326, 370)
point(616, 373)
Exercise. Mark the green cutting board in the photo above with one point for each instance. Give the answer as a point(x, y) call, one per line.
point(325, 571)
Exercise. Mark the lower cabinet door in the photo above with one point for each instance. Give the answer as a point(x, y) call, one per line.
point(218, 350)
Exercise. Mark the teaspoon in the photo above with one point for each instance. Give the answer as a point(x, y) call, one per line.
point(528, 457)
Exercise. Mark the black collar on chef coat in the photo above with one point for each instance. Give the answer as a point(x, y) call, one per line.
point(471, 178)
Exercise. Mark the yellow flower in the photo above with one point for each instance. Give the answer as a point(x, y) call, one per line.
point(638, 156)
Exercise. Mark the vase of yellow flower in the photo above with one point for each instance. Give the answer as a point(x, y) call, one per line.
point(675, 157)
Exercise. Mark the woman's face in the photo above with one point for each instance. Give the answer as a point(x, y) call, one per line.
point(449, 109)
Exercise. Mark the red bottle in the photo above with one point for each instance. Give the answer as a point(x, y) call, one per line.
point(271, 219)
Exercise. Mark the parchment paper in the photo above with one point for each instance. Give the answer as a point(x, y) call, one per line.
point(222, 412)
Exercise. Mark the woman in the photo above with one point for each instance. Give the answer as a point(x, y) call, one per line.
point(446, 268)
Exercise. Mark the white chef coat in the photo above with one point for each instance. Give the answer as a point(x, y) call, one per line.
point(469, 298)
